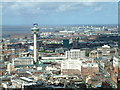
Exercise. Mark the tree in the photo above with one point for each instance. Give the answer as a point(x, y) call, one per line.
point(87, 54)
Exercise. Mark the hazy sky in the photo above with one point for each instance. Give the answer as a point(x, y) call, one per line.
point(27, 13)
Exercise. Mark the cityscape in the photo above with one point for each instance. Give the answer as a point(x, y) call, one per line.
point(62, 56)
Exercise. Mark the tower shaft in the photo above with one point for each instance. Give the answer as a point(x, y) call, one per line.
point(35, 31)
point(35, 47)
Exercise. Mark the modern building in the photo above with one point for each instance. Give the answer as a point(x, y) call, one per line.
point(22, 61)
point(66, 43)
point(75, 53)
point(71, 67)
point(79, 66)
point(75, 43)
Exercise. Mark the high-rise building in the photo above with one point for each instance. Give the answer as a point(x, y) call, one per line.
point(75, 43)
point(66, 43)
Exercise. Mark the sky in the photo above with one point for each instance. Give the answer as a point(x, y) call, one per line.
point(56, 13)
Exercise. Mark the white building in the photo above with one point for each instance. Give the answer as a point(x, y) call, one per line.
point(21, 82)
point(89, 65)
point(23, 61)
point(105, 50)
point(116, 61)
point(75, 53)
point(49, 68)
point(74, 66)
point(94, 53)
point(31, 47)
point(10, 67)
point(67, 31)
point(45, 34)
point(58, 58)
point(70, 66)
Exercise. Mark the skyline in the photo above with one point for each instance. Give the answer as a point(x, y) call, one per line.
point(53, 13)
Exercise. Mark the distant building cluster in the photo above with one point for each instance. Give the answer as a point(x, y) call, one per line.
point(72, 57)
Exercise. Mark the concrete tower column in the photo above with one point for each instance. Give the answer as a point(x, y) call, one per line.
point(35, 30)
point(35, 47)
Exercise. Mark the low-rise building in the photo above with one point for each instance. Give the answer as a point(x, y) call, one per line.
point(71, 66)
point(104, 50)
point(10, 67)
point(23, 61)
point(94, 53)
point(116, 68)
point(89, 69)
point(21, 82)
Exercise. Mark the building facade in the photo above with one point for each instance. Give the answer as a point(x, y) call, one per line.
point(75, 53)
point(66, 43)
point(89, 69)
point(71, 66)
point(23, 61)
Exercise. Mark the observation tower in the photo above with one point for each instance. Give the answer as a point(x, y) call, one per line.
point(35, 31)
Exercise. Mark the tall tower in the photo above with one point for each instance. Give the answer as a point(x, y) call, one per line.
point(35, 31)
point(75, 43)
point(66, 43)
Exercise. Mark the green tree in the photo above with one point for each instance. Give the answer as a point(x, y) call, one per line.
point(87, 54)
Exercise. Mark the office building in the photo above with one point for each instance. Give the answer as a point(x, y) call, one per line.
point(22, 61)
point(71, 67)
point(66, 43)
point(75, 53)
point(75, 43)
